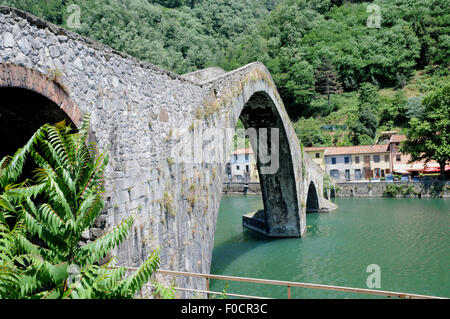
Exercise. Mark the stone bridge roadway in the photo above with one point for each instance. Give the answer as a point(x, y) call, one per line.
point(146, 118)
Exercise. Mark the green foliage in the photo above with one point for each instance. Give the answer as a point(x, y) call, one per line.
point(392, 190)
point(364, 127)
point(428, 136)
point(163, 292)
point(178, 35)
point(414, 107)
point(42, 219)
point(309, 132)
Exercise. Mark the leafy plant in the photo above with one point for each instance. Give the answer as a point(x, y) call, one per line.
point(42, 219)
point(163, 292)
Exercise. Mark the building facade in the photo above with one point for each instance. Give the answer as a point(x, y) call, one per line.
point(317, 154)
point(242, 167)
point(354, 163)
point(365, 162)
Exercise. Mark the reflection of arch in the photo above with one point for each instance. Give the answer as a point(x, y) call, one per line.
point(29, 100)
point(312, 200)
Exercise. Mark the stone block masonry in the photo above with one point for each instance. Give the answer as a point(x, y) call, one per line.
point(136, 112)
point(435, 189)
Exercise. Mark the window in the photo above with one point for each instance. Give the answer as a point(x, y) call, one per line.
point(377, 172)
point(357, 159)
point(247, 168)
point(235, 158)
point(333, 160)
point(247, 157)
point(357, 174)
point(367, 159)
point(347, 160)
point(398, 157)
point(317, 155)
point(237, 167)
point(386, 158)
point(376, 158)
point(347, 174)
point(334, 173)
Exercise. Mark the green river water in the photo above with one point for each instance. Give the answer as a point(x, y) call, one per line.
point(408, 238)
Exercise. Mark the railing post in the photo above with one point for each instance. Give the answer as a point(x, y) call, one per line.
point(289, 292)
point(207, 288)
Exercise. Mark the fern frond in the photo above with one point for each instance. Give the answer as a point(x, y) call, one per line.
point(141, 276)
point(98, 249)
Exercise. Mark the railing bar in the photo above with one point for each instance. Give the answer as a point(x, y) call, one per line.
point(296, 284)
point(214, 292)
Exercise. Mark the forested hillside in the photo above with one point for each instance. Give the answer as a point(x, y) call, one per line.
point(345, 69)
point(179, 35)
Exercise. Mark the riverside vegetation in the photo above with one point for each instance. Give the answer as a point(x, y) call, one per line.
point(50, 193)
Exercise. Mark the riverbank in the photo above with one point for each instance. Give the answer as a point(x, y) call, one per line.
point(393, 189)
point(433, 189)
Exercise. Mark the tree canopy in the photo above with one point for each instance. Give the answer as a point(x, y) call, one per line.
point(429, 134)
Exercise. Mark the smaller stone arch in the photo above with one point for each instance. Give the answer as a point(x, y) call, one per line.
point(30, 99)
point(14, 76)
point(312, 199)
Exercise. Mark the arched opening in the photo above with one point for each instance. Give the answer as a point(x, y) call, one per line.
point(312, 200)
point(22, 112)
point(280, 217)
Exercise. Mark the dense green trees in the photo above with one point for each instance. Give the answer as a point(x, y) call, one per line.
point(306, 44)
point(179, 35)
point(429, 134)
point(312, 32)
point(42, 218)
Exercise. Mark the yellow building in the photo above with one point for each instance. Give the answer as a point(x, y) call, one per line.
point(317, 155)
point(353, 163)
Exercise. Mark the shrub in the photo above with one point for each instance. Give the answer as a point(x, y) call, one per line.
point(42, 219)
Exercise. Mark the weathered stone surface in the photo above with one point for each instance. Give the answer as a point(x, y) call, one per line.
point(175, 200)
point(403, 189)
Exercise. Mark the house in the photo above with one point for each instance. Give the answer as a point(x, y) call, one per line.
point(400, 162)
point(317, 154)
point(241, 166)
point(353, 163)
point(360, 162)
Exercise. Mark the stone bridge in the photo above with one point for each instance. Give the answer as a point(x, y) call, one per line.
point(145, 117)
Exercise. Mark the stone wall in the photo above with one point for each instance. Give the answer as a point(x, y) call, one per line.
point(393, 189)
point(138, 115)
point(237, 188)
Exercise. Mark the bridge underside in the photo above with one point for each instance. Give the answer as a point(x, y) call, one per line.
point(279, 191)
point(22, 112)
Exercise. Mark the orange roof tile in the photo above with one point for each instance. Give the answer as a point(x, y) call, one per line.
point(242, 151)
point(397, 138)
point(313, 148)
point(360, 149)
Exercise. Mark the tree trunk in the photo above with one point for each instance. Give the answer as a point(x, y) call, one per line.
point(442, 174)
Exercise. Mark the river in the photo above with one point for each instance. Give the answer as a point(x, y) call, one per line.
point(408, 239)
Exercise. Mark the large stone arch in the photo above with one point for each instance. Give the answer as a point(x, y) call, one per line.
point(249, 94)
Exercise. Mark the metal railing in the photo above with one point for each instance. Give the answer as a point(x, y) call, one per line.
point(287, 284)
